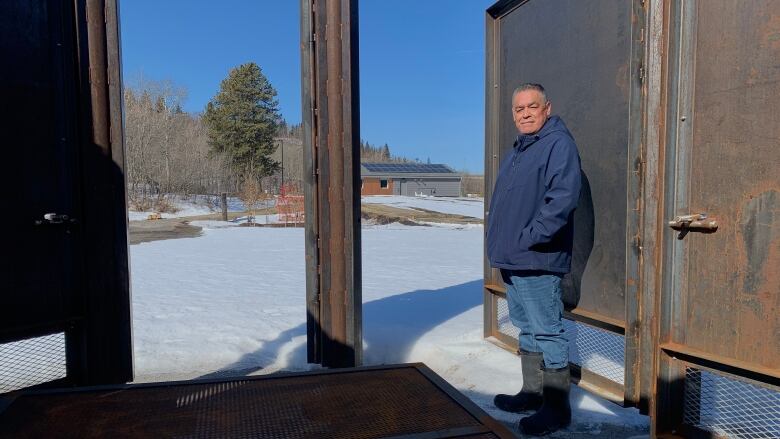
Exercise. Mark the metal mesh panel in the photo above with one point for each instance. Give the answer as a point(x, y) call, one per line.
point(505, 325)
point(730, 407)
point(600, 351)
point(32, 361)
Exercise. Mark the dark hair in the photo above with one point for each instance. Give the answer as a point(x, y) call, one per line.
point(530, 86)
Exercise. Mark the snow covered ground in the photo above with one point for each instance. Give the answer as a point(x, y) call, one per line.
point(233, 299)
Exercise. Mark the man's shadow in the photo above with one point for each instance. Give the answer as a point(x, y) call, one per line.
point(584, 232)
point(391, 327)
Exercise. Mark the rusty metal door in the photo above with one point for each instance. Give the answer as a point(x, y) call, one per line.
point(588, 57)
point(65, 302)
point(719, 344)
point(39, 173)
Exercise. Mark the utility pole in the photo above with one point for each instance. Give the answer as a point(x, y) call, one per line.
point(281, 146)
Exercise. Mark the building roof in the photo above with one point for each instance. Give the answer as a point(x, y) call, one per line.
point(407, 170)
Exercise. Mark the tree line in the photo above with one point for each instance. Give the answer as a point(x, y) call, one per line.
point(240, 144)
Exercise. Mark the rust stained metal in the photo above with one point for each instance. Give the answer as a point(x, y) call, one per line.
point(652, 202)
point(331, 126)
point(729, 149)
point(335, 113)
point(98, 74)
point(770, 375)
point(311, 186)
point(721, 293)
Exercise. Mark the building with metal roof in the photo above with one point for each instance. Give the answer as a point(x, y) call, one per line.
point(409, 179)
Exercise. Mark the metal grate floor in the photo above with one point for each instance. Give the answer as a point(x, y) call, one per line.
point(352, 403)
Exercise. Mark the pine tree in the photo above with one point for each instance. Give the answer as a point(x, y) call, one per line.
point(242, 120)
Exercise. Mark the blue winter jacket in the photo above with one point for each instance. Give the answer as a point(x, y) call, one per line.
point(530, 224)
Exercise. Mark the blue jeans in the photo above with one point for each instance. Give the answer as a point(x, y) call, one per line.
point(536, 308)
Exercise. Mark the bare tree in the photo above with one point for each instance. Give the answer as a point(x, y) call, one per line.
point(167, 149)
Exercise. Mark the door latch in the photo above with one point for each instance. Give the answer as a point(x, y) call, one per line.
point(697, 222)
point(54, 219)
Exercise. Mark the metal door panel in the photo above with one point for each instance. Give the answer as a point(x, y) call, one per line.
point(586, 56)
point(40, 168)
point(718, 346)
point(581, 55)
point(731, 282)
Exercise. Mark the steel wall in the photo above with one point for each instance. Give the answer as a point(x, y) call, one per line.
point(700, 135)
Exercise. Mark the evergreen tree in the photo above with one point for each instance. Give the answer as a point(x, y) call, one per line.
point(242, 120)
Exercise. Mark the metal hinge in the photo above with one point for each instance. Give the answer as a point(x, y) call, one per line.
point(319, 264)
point(641, 73)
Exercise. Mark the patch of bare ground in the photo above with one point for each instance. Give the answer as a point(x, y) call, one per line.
point(148, 231)
point(381, 214)
point(173, 228)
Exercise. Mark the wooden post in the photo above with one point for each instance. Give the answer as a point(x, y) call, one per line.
point(224, 206)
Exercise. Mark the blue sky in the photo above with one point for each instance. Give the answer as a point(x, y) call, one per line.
point(421, 64)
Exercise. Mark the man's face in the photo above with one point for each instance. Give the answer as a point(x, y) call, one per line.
point(530, 111)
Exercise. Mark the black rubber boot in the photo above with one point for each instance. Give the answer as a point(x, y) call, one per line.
point(555, 413)
point(530, 396)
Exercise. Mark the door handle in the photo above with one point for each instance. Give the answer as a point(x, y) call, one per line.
point(697, 222)
point(55, 219)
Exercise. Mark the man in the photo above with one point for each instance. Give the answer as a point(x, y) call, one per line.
point(529, 238)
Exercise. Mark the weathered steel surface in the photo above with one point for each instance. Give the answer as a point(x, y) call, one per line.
point(414, 402)
point(310, 188)
point(595, 85)
point(720, 295)
point(492, 112)
point(588, 83)
point(62, 72)
point(40, 271)
point(329, 43)
point(105, 350)
point(730, 283)
point(653, 220)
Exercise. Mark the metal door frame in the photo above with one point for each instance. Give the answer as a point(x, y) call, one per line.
point(331, 127)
